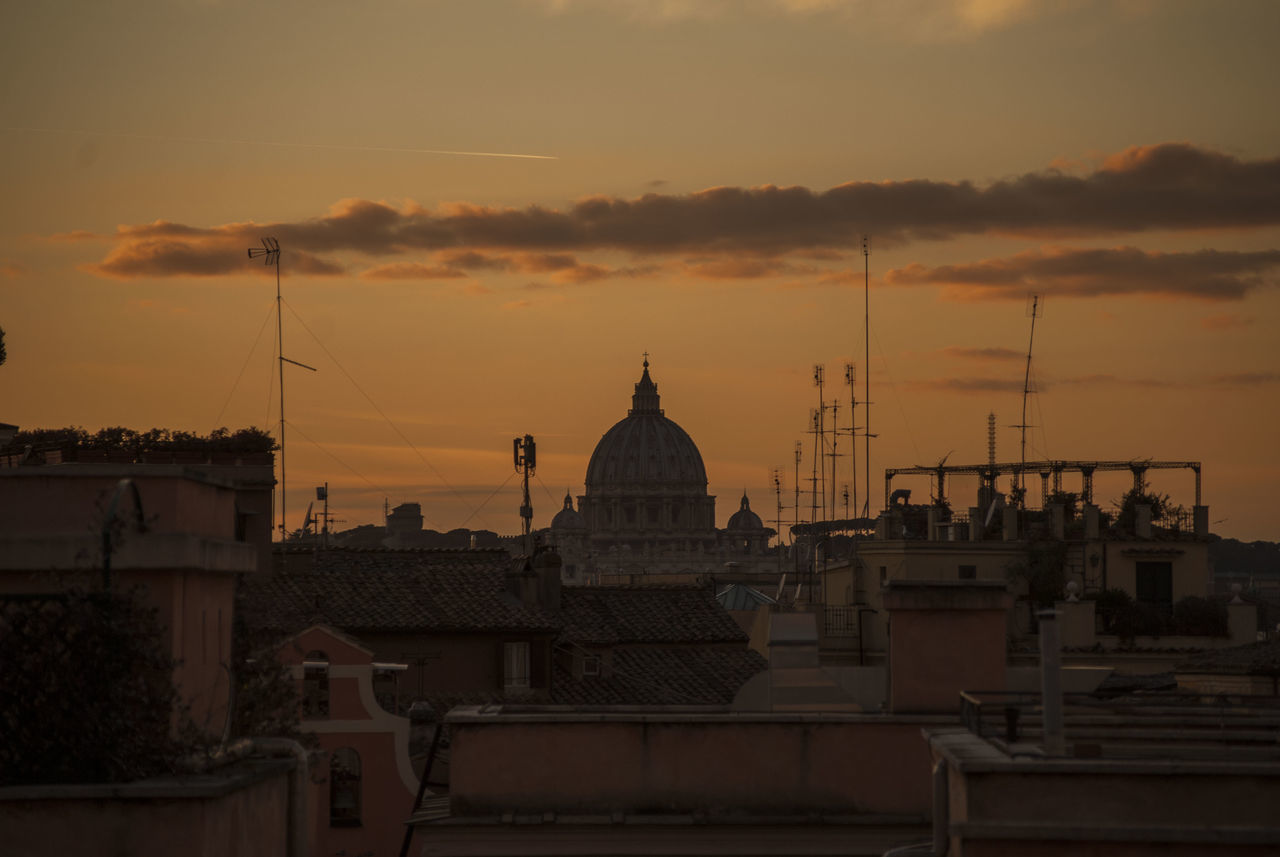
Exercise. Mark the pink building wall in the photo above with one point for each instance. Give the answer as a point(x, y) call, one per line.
point(388, 785)
point(51, 521)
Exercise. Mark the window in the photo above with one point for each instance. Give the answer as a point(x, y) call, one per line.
point(1154, 582)
point(884, 576)
point(315, 685)
point(344, 788)
point(968, 572)
point(515, 666)
point(591, 665)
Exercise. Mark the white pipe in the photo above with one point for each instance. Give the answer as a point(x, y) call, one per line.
point(1051, 683)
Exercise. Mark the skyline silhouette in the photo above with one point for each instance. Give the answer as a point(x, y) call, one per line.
point(705, 175)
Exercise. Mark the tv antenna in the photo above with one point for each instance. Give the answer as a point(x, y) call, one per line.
point(866, 363)
point(851, 378)
point(1035, 309)
point(270, 253)
point(526, 459)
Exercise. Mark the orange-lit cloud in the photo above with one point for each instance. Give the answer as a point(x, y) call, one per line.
point(12, 270)
point(1225, 321)
point(1168, 186)
point(965, 385)
point(170, 257)
point(1247, 379)
point(412, 271)
point(1066, 272)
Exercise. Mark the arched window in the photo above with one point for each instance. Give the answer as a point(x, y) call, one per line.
point(315, 685)
point(344, 788)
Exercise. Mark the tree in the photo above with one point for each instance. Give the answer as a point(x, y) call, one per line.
point(88, 694)
point(2, 352)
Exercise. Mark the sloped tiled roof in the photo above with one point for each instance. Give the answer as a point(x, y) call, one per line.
point(663, 675)
point(1249, 659)
point(606, 615)
point(384, 591)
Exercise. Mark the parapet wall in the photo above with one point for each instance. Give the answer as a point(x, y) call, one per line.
point(578, 762)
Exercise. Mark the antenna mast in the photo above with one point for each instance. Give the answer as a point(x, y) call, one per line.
point(1033, 311)
point(270, 252)
point(851, 378)
point(795, 553)
point(866, 362)
point(526, 459)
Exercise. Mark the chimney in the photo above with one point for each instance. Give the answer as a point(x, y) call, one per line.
point(522, 581)
point(1051, 682)
point(546, 565)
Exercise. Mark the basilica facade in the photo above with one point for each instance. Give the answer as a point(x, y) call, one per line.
point(646, 509)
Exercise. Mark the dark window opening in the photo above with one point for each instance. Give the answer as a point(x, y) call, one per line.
point(968, 572)
point(1154, 582)
point(344, 788)
point(315, 685)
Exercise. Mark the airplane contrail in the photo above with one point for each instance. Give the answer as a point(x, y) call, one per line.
point(178, 139)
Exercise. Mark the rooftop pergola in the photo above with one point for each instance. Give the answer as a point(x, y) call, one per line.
point(1050, 473)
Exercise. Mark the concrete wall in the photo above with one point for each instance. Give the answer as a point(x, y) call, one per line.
point(733, 764)
point(239, 812)
point(1107, 809)
point(945, 637)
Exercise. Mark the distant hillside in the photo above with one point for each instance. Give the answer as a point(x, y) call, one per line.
point(1236, 558)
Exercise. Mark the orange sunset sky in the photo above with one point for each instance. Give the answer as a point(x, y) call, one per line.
point(705, 172)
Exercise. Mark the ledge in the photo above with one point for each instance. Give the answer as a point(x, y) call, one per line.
point(230, 779)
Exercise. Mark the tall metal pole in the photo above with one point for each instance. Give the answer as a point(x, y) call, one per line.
point(284, 531)
point(866, 360)
point(271, 250)
point(851, 376)
point(1026, 389)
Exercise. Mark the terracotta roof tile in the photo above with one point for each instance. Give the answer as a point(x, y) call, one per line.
point(604, 615)
point(393, 591)
point(663, 675)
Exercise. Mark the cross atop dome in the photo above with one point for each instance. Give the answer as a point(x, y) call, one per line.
point(645, 399)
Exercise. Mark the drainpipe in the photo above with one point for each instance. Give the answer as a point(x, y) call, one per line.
point(941, 809)
point(1051, 682)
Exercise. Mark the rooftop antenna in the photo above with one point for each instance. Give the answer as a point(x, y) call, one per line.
point(776, 473)
point(270, 253)
point(526, 459)
point(851, 378)
point(796, 553)
point(820, 426)
point(1034, 311)
point(866, 362)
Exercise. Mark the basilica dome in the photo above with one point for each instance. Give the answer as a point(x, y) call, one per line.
point(646, 451)
point(744, 518)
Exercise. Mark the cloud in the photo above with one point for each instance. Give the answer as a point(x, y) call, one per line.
point(165, 257)
point(12, 270)
point(1172, 186)
point(983, 354)
point(1225, 321)
point(412, 271)
point(965, 385)
point(920, 19)
point(1246, 379)
point(77, 235)
point(1211, 275)
point(745, 268)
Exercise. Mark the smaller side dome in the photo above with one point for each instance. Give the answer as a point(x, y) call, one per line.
point(568, 518)
point(744, 518)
